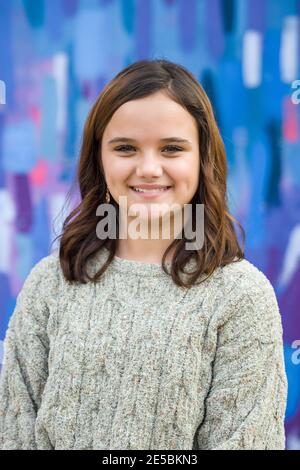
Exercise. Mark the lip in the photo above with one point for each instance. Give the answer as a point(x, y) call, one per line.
point(152, 195)
point(149, 186)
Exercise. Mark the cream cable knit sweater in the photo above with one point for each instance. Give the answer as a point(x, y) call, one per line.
point(136, 362)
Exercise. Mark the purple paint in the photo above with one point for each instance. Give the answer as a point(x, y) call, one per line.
point(214, 28)
point(256, 15)
point(104, 3)
point(187, 22)
point(143, 28)
point(170, 3)
point(23, 203)
point(69, 7)
point(288, 304)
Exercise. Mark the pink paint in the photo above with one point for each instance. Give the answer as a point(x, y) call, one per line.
point(38, 176)
point(289, 122)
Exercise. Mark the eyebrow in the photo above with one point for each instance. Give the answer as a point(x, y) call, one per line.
point(166, 139)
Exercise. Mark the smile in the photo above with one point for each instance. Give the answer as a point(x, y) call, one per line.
point(150, 193)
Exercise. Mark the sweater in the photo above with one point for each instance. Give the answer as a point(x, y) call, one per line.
point(134, 361)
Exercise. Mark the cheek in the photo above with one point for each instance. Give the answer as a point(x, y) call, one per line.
point(186, 181)
point(184, 175)
point(118, 172)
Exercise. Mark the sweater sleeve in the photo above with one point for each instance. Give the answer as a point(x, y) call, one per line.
point(246, 403)
point(25, 366)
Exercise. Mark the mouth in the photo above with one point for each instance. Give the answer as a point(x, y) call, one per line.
point(150, 193)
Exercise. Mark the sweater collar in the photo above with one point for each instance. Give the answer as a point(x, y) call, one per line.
point(139, 268)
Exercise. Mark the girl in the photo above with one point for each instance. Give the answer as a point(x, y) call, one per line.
point(127, 342)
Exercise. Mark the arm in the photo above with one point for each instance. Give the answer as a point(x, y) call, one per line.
point(25, 367)
point(246, 403)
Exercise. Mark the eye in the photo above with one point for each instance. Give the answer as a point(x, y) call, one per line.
point(129, 148)
point(124, 148)
point(174, 148)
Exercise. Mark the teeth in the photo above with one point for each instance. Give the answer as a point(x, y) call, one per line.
point(149, 190)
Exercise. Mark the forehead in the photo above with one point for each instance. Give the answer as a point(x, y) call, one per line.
point(154, 114)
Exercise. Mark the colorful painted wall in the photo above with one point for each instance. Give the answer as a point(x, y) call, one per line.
point(55, 57)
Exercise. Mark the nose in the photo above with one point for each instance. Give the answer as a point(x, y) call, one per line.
point(148, 166)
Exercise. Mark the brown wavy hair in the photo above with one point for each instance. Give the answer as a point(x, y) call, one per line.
point(79, 241)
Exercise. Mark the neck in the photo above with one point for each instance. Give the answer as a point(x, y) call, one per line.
point(147, 245)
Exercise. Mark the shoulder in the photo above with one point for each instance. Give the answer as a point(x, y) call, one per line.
point(242, 278)
point(48, 266)
point(44, 276)
point(38, 293)
point(247, 296)
point(48, 263)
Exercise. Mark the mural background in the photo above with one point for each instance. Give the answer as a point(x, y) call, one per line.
point(56, 56)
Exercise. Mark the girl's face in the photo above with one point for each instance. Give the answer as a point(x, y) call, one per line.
point(151, 140)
